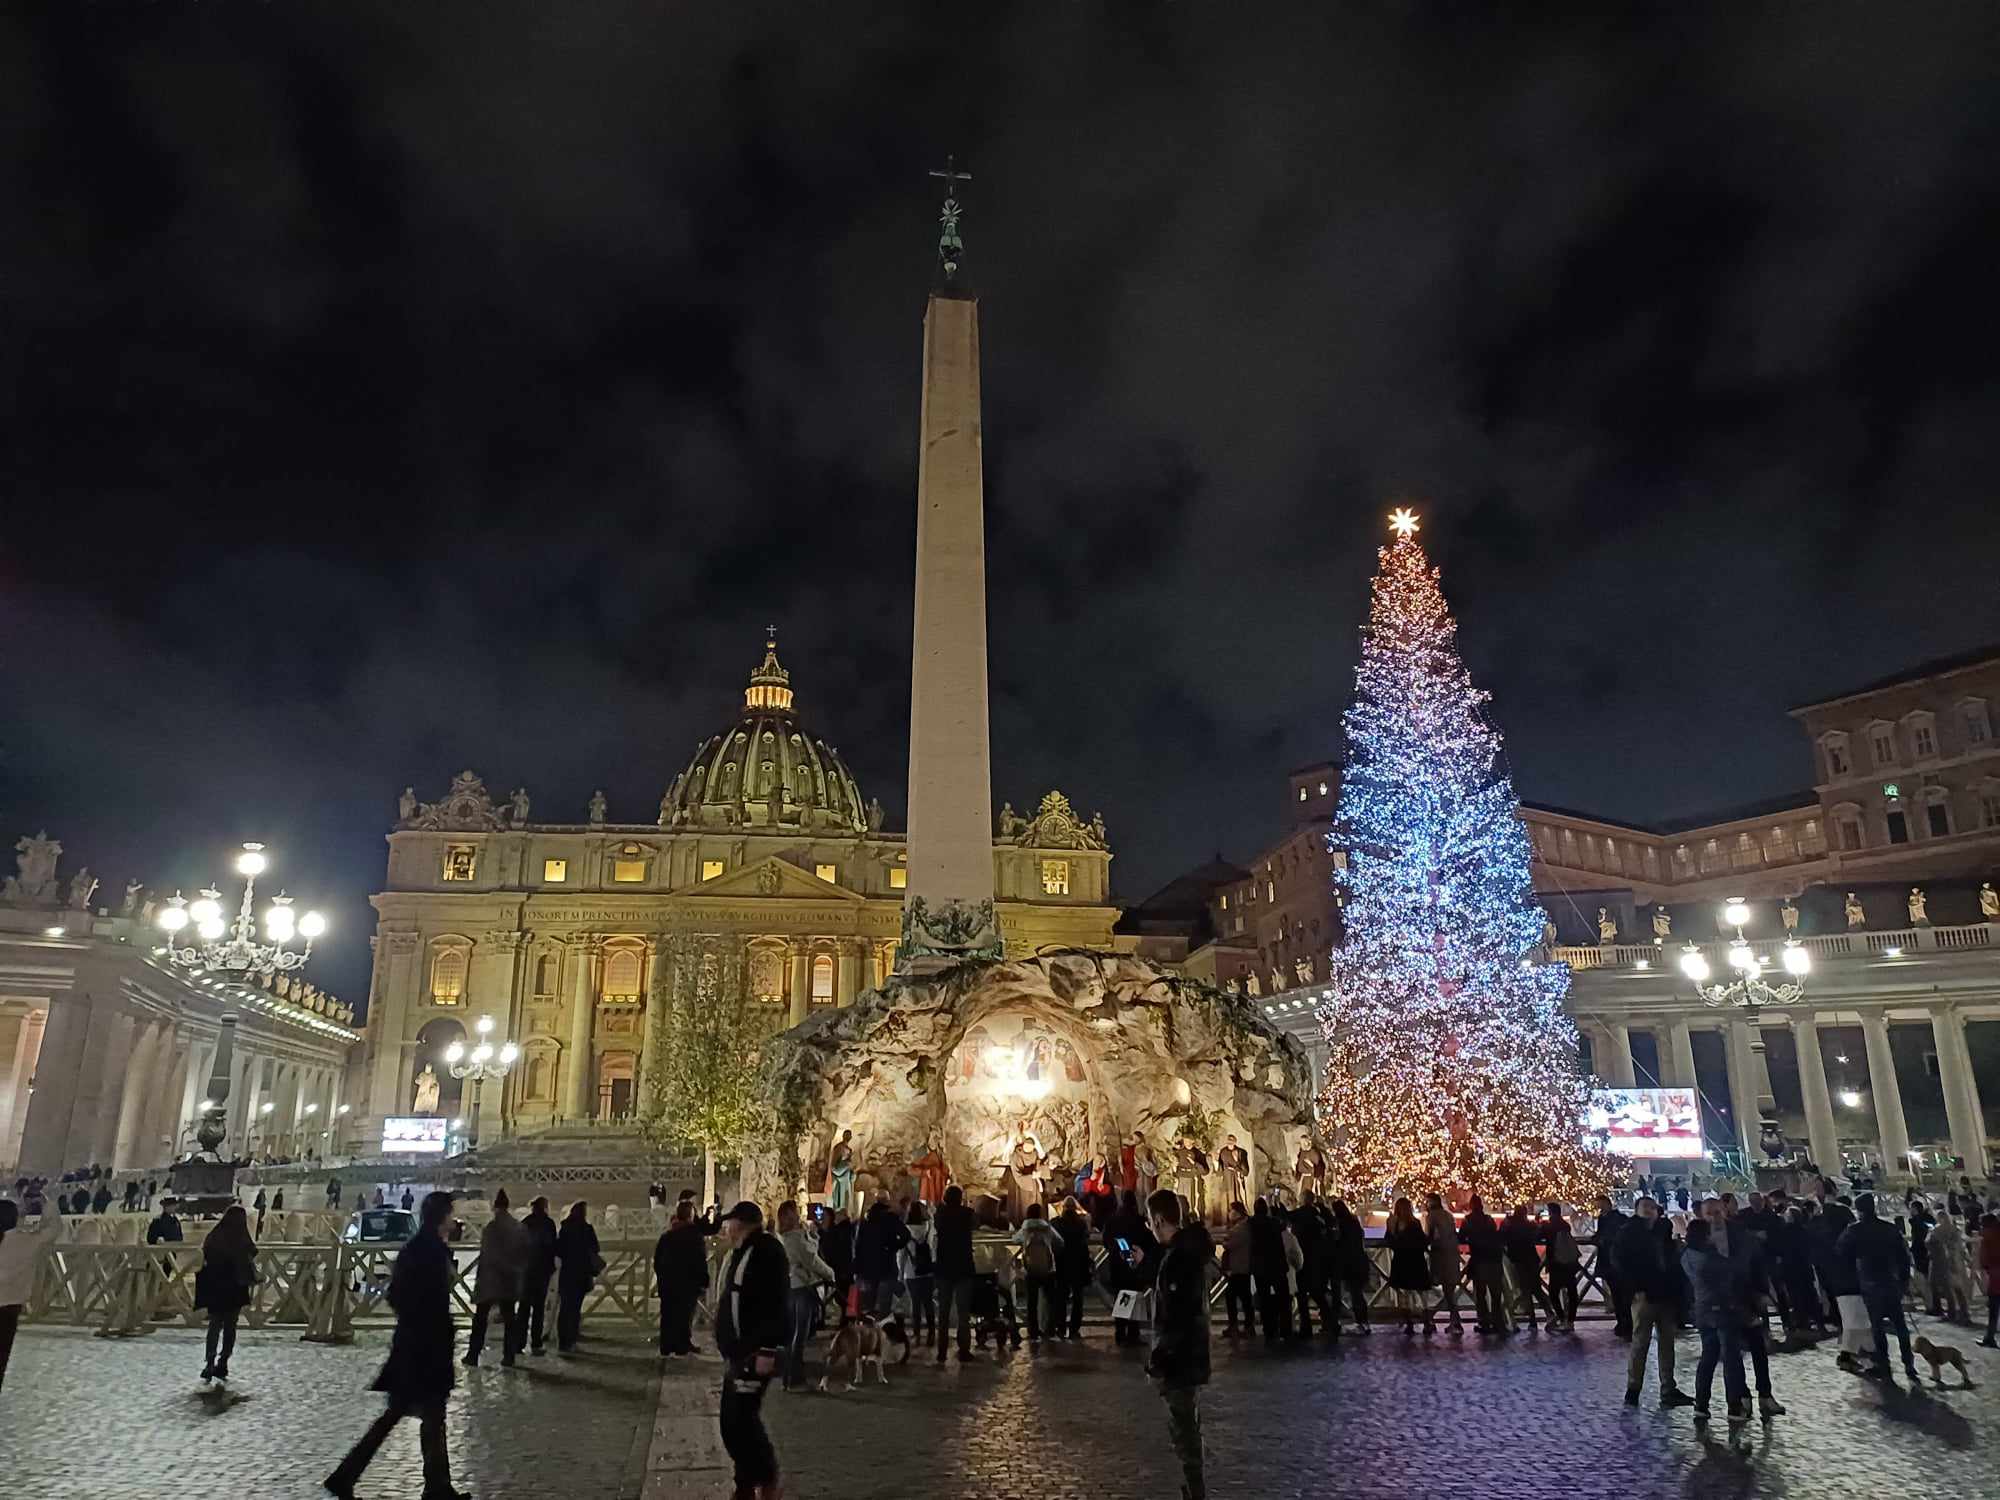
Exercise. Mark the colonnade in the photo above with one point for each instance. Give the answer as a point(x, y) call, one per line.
point(1749, 1077)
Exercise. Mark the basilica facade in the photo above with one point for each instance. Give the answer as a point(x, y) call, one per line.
point(564, 932)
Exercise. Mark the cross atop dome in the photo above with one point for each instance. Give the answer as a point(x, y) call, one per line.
point(770, 684)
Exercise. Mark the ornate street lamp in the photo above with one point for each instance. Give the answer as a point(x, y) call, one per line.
point(484, 1061)
point(1749, 989)
point(233, 950)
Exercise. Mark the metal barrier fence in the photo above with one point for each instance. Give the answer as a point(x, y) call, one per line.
point(328, 1291)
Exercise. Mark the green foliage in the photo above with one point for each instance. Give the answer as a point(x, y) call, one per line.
point(1200, 1125)
point(702, 1090)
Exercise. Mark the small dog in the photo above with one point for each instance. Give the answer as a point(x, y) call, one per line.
point(1937, 1356)
point(857, 1341)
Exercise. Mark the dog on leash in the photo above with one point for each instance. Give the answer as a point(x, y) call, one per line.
point(1937, 1356)
point(856, 1342)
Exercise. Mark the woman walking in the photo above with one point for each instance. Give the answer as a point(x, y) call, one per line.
point(1409, 1266)
point(222, 1285)
point(576, 1251)
point(1445, 1264)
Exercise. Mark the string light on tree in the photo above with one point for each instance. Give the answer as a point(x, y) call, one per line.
point(1451, 1064)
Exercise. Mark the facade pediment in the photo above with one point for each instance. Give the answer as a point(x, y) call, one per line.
point(772, 879)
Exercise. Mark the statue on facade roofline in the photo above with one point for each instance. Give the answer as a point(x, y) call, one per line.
point(1856, 917)
point(131, 902)
point(518, 803)
point(35, 858)
point(1607, 927)
point(1663, 923)
point(406, 805)
point(1011, 822)
point(597, 807)
point(1989, 902)
point(1790, 914)
point(1918, 911)
point(81, 886)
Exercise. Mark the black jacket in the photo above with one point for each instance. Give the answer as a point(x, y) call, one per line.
point(750, 1310)
point(1074, 1263)
point(576, 1248)
point(540, 1263)
point(1875, 1249)
point(1523, 1242)
point(1119, 1270)
point(878, 1242)
point(1348, 1257)
point(165, 1227)
point(680, 1261)
point(951, 1227)
point(1610, 1228)
point(1645, 1261)
point(419, 1366)
point(1180, 1310)
point(1836, 1271)
point(1310, 1230)
point(1481, 1238)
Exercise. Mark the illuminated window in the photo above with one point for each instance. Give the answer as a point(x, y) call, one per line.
point(829, 873)
point(1225, 901)
point(899, 877)
point(1055, 877)
point(449, 962)
point(822, 980)
point(1270, 890)
point(711, 869)
point(621, 975)
point(555, 871)
point(628, 871)
point(459, 860)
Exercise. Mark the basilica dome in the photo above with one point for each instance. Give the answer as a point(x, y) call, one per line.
point(766, 770)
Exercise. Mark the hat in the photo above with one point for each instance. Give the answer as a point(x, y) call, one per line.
point(748, 1212)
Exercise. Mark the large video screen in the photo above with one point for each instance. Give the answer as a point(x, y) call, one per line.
point(406, 1134)
point(1655, 1124)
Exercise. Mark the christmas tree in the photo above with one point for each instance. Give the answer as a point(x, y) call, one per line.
point(1451, 1064)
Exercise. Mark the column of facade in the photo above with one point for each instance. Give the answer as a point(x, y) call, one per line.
point(162, 1124)
point(1822, 1139)
point(1679, 1062)
point(194, 1088)
point(246, 1082)
point(585, 952)
point(27, 1049)
point(401, 967)
point(137, 1097)
point(291, 1100)
point(112, 1091)
point(801, 981)
point(1743, 1089)
point(59, 1067)
point(1892, 1126)
point(1962, 1107)
point(847, 972)
point(1618, 1055)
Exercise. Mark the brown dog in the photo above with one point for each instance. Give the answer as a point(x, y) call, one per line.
point(855, 1342)
point(1937, 1356)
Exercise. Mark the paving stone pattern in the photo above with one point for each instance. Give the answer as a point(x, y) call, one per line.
point(1382, 1417)
point(118, 1418)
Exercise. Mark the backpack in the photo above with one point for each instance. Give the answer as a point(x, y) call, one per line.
point(1038, 1258)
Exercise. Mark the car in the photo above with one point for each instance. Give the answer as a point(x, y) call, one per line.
point(380, 1226)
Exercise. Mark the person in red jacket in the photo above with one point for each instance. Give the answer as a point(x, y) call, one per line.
point(1989, 1264)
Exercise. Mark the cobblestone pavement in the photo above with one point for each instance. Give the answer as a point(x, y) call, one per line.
point(116, 1418)
point(1382, 1417)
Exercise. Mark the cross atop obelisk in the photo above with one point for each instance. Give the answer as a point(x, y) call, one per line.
point(951, 249)
point(948, 912)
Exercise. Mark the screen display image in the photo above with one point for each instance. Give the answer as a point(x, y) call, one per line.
point(422, 1134)
point(1651, 1124)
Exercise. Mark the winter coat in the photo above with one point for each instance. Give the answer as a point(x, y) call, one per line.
point(1875, 1249)
point(802, 1256)
point(680, 1261)
point(1716, 1287)
point(1180, 1310)
point(1409, 1258)
point(503, 1257)
point(750, 1305)
point(1644, 1259)
point(1989, 1259)
point(1443, 1236)
point(1948, 1255)
point(223, 1283)
point(1481, 1237)
point(576, 1248)
point(538, 1250)
point(1119, 1270)
point(1347, 1257)
point(419, 1368)
point(1041, 1247)
point(1236, 1249)
point(1523, 1242)
point(878, 1243)
point(165, 1229)
point(1835, 1271)
point(1074, 1258)
point(21, 1249)
point(952, 1227)
point(1311, 1232)
point(1267, 1251)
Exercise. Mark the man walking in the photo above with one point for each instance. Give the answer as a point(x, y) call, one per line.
point(750, 1336)
point(417, 1377)
point(1881, 1262)
point(953, 1225)
point(503, 1255)
point(1644, 1260)
point(1179, 1361)
point(538, 1269)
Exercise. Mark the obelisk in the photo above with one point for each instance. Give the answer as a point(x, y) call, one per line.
point(948, 909)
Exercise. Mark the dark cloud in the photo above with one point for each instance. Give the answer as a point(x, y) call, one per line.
point(400, 389)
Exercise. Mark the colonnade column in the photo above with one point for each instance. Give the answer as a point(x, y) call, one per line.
point(1743, 1089)
point(585, 951)
point(847, 977)
point(1892, 1127)
point(137, 1098)
point(400, 967)
point(59, 1070)
point(649, 1017)
point(1680, 1054)
point(1961, 1090)
point(1822, 1139)
point(1620, 1073)
point(123, 1029)
point(27, 1050)
point(801, 958)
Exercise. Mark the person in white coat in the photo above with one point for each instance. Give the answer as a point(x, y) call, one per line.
point(21, 1249)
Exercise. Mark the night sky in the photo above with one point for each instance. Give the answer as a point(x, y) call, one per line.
point(402, 388)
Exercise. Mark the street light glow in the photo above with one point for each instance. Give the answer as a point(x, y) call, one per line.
point(311, 925)
point(1736, 912)
point(1695, 967)
point(251, 861)
point(1798, 962)
point(1850, 1098)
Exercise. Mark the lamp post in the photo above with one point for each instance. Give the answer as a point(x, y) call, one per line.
point(484, 1061)
point(1748, 989)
